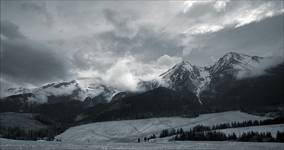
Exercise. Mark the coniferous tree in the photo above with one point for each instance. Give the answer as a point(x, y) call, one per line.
point(280, 136)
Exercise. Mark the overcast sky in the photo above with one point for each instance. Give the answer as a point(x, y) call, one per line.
point(123, 41)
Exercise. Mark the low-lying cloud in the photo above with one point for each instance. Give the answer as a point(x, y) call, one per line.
point(127, 72)
point(262, 68)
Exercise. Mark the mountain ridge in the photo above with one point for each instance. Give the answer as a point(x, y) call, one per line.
point(182, 77)
point(190, 91)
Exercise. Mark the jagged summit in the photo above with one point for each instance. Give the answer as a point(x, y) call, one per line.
point(234, 56)
point(183, 65)
point(185, 76)
point(181, 72)
point(234, 62)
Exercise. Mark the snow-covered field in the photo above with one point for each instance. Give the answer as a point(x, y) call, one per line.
point(123, 135)
point(188, 145)
point(130, 130)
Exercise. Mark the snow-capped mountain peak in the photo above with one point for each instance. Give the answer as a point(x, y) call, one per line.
point(186, 77)
point(64, 90)
point(183, 77)
point(233, 62)
point(182, 66)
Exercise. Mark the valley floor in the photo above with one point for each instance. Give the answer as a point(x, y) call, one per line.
point(188, 145)
point(114, 135)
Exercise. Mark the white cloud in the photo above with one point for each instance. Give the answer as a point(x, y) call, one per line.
point(214, 15)
point(127, 71)
point(203, 28)
point(120, 75)
point(254, 15)
point(167, 60)
point(189, 4)
point(220, 5)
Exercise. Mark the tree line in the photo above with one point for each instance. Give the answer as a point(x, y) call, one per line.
point(30, 134)
point(220, 136)
point(207, 133)
point(199, 128)
point(248, 123)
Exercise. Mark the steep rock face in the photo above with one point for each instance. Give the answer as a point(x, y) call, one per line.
point(185, 77)
point(182, 76)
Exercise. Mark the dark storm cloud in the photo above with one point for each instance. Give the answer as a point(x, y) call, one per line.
point(263, 38)
point(106, 38)
point(10, 30)
point(27, 61)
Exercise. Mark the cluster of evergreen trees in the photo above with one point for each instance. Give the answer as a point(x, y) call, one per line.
point(278, 120)
point(29, 134)
point(220, 136)
point(199, 128)
point(170, 132)
point(206, 133)
point(201, 136)
point(256, 137)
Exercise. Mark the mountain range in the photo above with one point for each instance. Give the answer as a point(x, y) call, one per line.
point(235, 81)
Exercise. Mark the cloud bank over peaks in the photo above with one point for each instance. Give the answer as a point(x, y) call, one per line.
point(128, 71)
